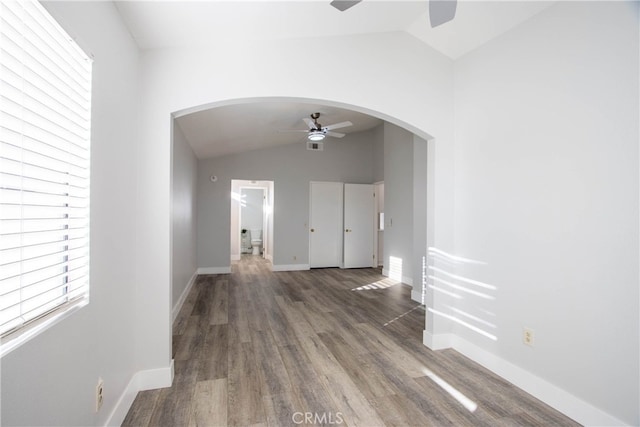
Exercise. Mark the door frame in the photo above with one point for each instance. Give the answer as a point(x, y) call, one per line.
point(268, 188)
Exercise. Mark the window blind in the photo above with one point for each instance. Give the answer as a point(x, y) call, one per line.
point(45, 106)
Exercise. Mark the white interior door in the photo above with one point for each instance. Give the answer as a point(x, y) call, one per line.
point(359, 225)
point(325, 224)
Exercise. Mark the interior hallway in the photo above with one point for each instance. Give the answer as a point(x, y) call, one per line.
point(261, 348)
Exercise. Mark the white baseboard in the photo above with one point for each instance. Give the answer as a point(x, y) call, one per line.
point(269, 258)
point(125, 401)
point(405, 279)
point(156, 378)
point(236, 257)
point(565, 402)
point(183, 296)
point(141, 380)
point(214, 270)
point(290, 267)
point(437, 342)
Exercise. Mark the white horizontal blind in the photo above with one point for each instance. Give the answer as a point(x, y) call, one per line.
point(45, 108)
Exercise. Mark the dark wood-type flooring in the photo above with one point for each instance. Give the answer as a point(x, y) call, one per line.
point(321, 347)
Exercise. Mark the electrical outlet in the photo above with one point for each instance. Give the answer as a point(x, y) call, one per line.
point(99, 394)
point(527, 337)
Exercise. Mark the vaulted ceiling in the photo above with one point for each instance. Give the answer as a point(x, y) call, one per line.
point(220, 131)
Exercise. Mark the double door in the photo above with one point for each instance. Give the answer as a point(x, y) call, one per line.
point(341, 225)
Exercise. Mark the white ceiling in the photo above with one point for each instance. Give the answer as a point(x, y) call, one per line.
point(161, 24)
point(158, 24)
point(237, 128)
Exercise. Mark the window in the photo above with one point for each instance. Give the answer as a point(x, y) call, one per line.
point(45, 106)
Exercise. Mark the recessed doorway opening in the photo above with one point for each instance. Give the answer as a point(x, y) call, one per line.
point(251, 219)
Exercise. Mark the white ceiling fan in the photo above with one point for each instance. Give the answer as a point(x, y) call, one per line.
point(440, 11)
point(318, 132)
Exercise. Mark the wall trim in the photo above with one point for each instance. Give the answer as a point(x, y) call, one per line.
point(214, 270)
point(438, 341)
point(123, 404)
point(405, 279)
point(183, 296)
point(141, 380)
point(290, 267)
point(554, 396)
point(236, 257)
point(156, 378)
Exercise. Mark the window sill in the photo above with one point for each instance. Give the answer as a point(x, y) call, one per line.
point(25, 334)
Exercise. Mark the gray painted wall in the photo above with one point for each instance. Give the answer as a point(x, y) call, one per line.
point(291, 167)
point(398, 200)
point(184, 179)
point(419, 217)
point(378, 153)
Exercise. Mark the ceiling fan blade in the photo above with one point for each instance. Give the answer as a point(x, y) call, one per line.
point(293, 130)
point(343, 5)
point(338, 125)
point(441, 11)
point(309, 123)
point(335, 134)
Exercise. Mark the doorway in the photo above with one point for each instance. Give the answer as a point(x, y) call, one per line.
point(251, 219)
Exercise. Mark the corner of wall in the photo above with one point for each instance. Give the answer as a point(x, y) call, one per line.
point(436, 342)
point(142, 380)
point(178, 304)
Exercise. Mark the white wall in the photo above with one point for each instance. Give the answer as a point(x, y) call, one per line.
point(51, 380)
point(546, 194)
point(398, 199)
point(184, 179)
point(291, 167)
point(251, 212)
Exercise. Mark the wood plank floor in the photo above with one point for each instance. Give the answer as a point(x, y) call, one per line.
point(321, 347)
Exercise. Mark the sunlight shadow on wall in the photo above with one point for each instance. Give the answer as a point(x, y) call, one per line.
point(395, 268)
point(240, 198)
point(456, 296)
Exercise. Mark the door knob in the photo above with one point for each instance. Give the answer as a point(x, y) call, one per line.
point(312, 230)
point(348, 230)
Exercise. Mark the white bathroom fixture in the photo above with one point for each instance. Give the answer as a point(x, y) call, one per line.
point(256, 241)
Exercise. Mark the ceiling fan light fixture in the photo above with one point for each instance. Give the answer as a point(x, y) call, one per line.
point(316, 135)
